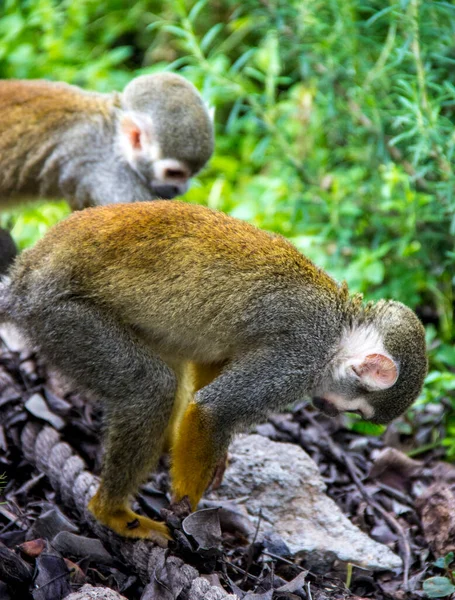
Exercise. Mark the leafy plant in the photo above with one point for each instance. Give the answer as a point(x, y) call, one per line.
point(334, 121)
point(441, 587)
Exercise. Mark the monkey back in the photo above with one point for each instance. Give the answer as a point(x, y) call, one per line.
point(166, 267)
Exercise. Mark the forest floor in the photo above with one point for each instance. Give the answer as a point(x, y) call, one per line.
point(405, 503)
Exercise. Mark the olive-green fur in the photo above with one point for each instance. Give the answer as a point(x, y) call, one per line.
point(118, 297)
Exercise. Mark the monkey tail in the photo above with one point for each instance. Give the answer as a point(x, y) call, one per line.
point(5, 300)
point(8, 251)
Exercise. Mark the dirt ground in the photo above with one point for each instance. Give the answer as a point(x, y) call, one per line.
point(406, 503)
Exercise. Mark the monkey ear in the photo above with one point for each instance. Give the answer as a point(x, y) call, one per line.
point(377, 372)
point(132, 133)
point(136, 138)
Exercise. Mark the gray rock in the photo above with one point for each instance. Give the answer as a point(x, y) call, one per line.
point(283, 484)
point(202, 590)
point(88, 592)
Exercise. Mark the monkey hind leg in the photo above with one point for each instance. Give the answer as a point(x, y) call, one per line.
point(132, 447)
point(134, 441)
point(137, 388)
point(183, 396)
point(191, 377)
point(195, 458)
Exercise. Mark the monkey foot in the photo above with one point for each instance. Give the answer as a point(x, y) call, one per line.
point(129, 524)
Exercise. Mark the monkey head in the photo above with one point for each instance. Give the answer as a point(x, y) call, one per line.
point(165, 132)
point(379, 367)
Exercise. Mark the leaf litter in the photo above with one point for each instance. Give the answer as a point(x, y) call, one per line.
point(47, 550)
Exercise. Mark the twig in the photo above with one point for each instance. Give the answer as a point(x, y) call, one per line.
point(56, 578)
point(26, 487)
point(240, 570)
point(348, 576)
point(310, 597)
point(19, 520)
point(395, 494)
point(285, 560)
point(334, 582)
point(250, 551)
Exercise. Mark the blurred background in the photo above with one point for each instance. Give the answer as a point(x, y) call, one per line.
point(334, 124)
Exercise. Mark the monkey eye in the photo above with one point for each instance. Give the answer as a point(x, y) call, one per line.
point(175, 174)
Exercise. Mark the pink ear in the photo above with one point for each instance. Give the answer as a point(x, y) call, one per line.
point(132, 132)
point(378, 372)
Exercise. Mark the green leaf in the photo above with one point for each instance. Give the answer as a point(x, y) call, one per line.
point(438, 587)
point(440, 563)
point(443, 562)
point(210, 36)
point(194, 12)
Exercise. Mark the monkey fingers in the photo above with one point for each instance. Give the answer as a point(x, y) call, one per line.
point(218, 474)
point(125, 522)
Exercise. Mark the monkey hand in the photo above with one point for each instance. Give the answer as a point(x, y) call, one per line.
point(219, 472)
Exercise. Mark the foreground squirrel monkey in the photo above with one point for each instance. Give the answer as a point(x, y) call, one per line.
point(59, 141)
point(120, 298)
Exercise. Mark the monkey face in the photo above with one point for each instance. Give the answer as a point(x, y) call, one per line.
point(165, 132)
point(332, 405)
point(379, 369)
point(171, 178)
point(165, 177)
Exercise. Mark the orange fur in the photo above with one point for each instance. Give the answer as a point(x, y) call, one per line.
point(194, 455)
point(191, 378)
point(127, 523)
point(35, 115)
point(183, 281)
point(201, 375)
point(152, 262)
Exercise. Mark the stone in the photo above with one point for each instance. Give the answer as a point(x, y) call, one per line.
point(88, 592)
point(283, 485)
point(202, 590)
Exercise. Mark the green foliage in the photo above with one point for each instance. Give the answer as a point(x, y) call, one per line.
point(441, 587)
point(335, 126)
point(29, 224)
point(438, 587)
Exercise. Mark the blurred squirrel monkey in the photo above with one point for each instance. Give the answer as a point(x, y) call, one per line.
point(59, 141)
point(120, 298)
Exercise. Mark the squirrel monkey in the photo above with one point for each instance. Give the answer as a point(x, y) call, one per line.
point(59, 141)
point(120, 298)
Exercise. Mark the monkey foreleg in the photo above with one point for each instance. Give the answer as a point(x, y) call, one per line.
point(243, 393)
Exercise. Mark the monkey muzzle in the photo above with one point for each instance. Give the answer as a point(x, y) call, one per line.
point(326, 407)
point(167, 191)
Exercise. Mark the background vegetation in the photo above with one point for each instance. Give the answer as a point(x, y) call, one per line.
point(335, 126)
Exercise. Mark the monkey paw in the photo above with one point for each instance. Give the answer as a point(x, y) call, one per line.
point(125, 522)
